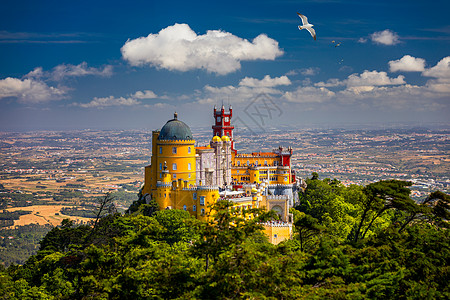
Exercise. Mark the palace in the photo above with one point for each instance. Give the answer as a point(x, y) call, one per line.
point(182, 176)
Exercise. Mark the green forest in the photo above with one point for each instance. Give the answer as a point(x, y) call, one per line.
point(355, 242)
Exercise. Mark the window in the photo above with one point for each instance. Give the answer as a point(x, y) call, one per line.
point(174, 150)
point(248, 163)
point(160, 175)
point(184, 207)
point(189, 150)
point(189, 175)
point(202, 200)
point(174, 167)
point(160, 150)
point(160, 166)
point(275, 236)
point(174, 176)
point(238, 163)
point(194, 195)
point(194, 208)
point(189, 166)
point(265, 162)
point(256, 162)
point(202, 211)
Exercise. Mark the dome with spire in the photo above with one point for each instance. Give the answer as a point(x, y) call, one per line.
point(175, 130)
point(216, 139)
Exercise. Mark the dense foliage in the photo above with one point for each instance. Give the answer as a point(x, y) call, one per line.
point(350, 242)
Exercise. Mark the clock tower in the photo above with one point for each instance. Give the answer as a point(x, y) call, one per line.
point(222, 121)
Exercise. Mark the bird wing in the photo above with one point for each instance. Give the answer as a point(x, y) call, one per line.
point(313, 32)
point(304, 18)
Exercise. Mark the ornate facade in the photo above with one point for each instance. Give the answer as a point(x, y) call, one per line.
point(182, 176)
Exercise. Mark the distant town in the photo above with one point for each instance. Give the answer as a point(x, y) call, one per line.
point(95, 162)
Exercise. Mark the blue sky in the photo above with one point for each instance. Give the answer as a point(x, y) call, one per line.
point(131, 64)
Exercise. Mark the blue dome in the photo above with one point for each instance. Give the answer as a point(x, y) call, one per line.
point(175, 130)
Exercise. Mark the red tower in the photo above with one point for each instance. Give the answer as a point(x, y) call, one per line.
point(222, 125)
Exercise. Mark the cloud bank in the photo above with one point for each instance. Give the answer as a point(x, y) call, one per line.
point(179, 48)
point(367, 78)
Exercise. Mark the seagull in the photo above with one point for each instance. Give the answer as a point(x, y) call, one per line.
point(336, 44)
point(306, 25)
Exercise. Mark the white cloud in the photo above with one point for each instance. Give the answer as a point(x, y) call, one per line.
point(61, 71)
point(385, 37)
point(367, 78)
point(440, 70)
point(330, 83)
point(36, 73)
point(441, 73)
point(374, 78)
point(67, 70)
point(309, 71)
point(407, 63)
point(179, 48)
point(29, 90)
point(267, 81)
point(147, 94)
point(309, 94)
point(362, 40)
point(109, 101)
point(305, 71)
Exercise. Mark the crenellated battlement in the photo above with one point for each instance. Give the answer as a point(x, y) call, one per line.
point(207, 188)
point(276, 224)
point(160, 184)
point(277, 197)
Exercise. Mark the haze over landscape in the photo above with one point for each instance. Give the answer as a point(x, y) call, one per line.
point(109, 65)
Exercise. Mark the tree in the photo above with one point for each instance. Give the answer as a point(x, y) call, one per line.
point(381, 196)
point(229, 227)
point(307, 227)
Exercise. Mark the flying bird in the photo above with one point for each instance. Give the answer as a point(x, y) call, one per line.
point(306, 25)
point(336, 44)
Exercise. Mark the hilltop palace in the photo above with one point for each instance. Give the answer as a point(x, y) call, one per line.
point(182, 176)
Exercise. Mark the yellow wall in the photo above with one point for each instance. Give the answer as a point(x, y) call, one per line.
point(264, 171)
point(274, 175)
point(182, 158)
point(277, 234)
point(248, 159)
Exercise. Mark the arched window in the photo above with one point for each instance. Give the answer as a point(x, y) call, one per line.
point(194, 208)
point(202, 211)
point(160, 150)
point(189, 150)
point(189, 166)
point(278, 209)
point(174, 167)
point(184, 207)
